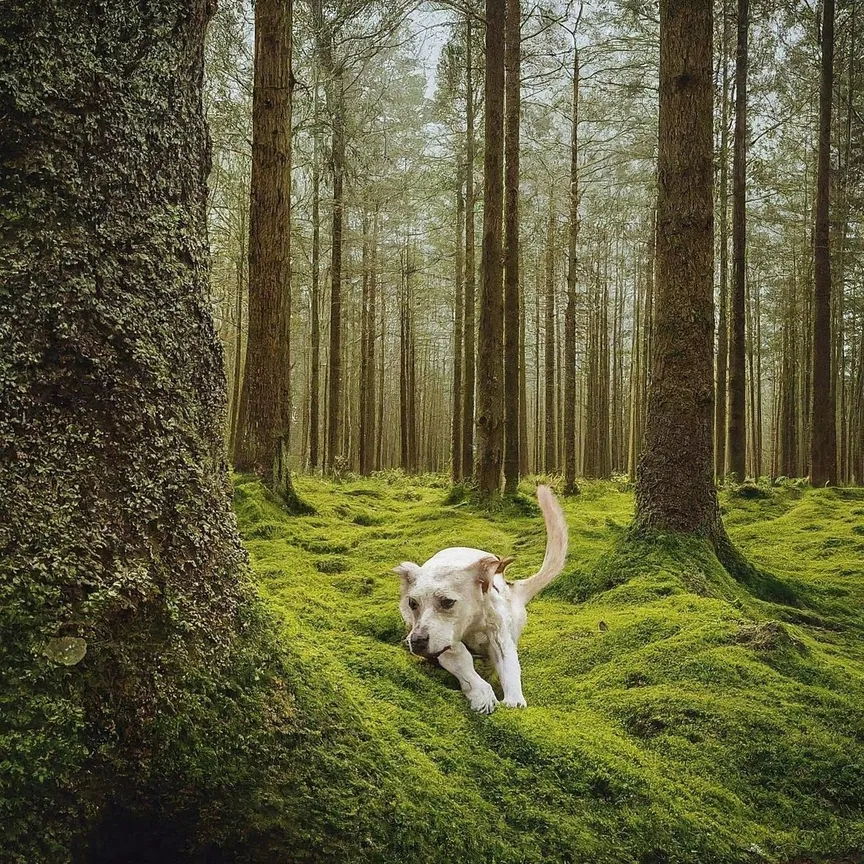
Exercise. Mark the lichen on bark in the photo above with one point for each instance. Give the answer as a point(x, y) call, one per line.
point(115, 520)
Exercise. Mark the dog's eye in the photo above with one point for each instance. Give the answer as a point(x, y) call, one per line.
point(448, 603)
point(412, 603)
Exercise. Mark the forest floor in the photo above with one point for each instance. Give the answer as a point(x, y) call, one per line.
point(675, 714)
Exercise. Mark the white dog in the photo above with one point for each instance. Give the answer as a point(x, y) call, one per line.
point(459, 603)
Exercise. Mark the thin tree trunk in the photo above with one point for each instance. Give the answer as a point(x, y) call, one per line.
point(550, 449)
point(737, 430)
point(367, 325)
point(751, 368)
point(404, 438)
point(315, 298)
point(635, 378)
point(723, 324)
point(411, 371)
point(238, 341)
point(823, 442)
point(512, 51)
point(538, 436)
point(570, 312)
point(469, 353)
point(371, 350)
point(490, 343)
point(458, 288)
point(337, 168)
point(523, 384)
point(379, 449)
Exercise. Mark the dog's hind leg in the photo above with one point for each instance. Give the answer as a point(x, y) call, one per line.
point(506, 660)
point(459, 662)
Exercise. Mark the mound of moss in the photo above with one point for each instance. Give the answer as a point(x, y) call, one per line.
point(677, 713)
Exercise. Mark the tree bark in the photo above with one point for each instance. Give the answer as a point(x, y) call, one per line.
point(490, 343)
point(337, 168)
point(469, 353)
point(823, 441)
point(262, 441)
point(315, 294)
point(523, 383)
point(721, 395)
point(675, 480)
point(570, 312)
point(737, 428)
point(512, 51)
point(550, 450)
point(115, 519)
point(458, 313)
point(367, 324)
point(237, 377)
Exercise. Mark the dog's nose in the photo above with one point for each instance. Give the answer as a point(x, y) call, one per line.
point(419, 644)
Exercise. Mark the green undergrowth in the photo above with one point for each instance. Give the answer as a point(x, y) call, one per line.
point(677, 713)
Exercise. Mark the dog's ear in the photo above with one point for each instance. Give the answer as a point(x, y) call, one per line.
point(486, 569)
point(408, 572)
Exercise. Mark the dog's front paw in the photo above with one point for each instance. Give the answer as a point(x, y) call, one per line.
point(515, 702)
point(483, 701)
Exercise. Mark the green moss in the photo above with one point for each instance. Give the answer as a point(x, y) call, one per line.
point(678, 712)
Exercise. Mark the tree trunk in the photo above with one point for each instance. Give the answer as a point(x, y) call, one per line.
point(823, 441)
point(538, 437)
point(116, 521)
point(675, 479)
point(315, 294)
point(737, 429)
point(368, 419)
point(635, 433)
point(550, 450)
point(523, 384)
point(469, 353)
point(604, 461)
point(570, 312)
point(364, 438)
point(512, 51)
point(238, 339)
point(334, 403)
point(265, 401)
point(490, 343)
point(458, 290)
point(336, 109)
point(379, 443)
point(722, 323)
point(411, 373)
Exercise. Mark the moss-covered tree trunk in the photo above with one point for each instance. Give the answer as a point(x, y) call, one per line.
point(265, 403)
point(116, 533)
point(675, 479)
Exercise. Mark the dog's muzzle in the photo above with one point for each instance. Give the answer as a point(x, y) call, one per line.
point(420, 646)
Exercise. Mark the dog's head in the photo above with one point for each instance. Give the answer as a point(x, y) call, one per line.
point(444, 597)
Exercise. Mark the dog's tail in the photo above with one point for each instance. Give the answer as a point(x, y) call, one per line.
point(556, 547)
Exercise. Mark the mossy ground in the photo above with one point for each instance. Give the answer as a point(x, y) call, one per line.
point(676, 714)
